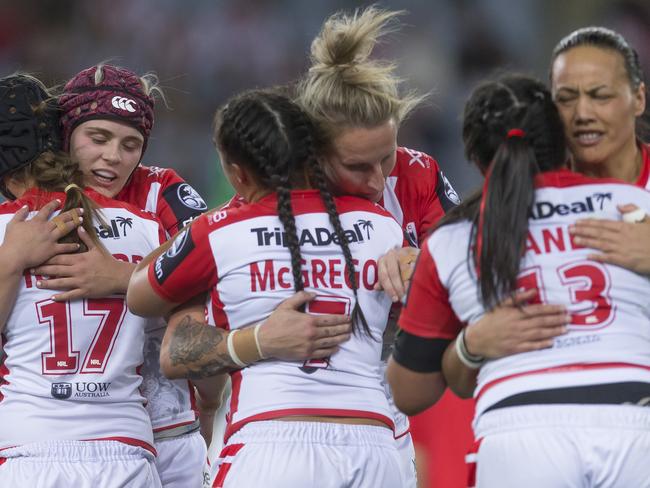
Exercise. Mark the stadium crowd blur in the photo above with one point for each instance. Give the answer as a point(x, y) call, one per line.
point(206, 50)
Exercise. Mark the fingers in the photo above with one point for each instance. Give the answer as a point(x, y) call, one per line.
point(56, 284)
point(596, 225)
point(390, 276)
point(297, 300)
point(59, 260)
point(85, 238)
point(520, 298)
point(594, 243)
point(47, 209)
point(541, 309)
point(610, 258)
point(334, 330)
point(63, 226)
point(630, 207)
point(53, 270)
point(329, 320)
point(21, 215)
point(68, 296)
point(66, 248)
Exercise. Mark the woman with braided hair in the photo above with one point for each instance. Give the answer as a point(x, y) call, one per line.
point(107, 118)
point(291, 423)
point(72, 414)
point(567, 415)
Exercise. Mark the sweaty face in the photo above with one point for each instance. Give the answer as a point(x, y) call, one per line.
point(597, 104)
point(362, 159)
point(107, 153)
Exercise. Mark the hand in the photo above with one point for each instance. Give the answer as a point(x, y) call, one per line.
point(292, 335)
point(622, 244)
point(395, 270)
point(28, 243)
point(514, 327)
point(91, 274)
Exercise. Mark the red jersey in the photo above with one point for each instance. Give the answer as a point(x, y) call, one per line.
point(417, 194)
point(170, 403)
point(164, 193)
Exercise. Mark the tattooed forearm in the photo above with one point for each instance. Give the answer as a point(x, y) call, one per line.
point(195, 346)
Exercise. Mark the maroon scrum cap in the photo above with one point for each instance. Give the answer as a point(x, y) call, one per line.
point(119, 96)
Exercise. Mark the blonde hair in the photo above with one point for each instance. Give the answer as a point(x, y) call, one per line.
point(149, 81)
point(344, 87)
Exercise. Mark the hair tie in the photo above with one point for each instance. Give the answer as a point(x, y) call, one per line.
point(70, 187)
point(515, 133)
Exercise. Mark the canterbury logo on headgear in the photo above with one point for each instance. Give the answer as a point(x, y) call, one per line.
point(123, 103)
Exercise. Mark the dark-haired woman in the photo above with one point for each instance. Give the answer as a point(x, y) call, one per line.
point(71, 411)
point(569, 415)
point(302, 424)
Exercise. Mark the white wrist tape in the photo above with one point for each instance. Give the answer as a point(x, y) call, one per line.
point(231, 350)
point(469, 360)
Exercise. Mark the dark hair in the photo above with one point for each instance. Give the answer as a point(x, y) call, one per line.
point(270, 135)
point(499, 214)
point(38, 158)
point(604, 38)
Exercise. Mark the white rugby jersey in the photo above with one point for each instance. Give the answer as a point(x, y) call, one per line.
point(71, 368)
point(162, 191)
point(239, 255)
point(609, 334)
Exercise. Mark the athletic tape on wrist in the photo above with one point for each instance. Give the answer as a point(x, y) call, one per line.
point(257, 340)
point(472, 362)
point(231, 350)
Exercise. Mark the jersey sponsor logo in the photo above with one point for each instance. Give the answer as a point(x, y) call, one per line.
point(116, 228)
point(319, 236)
point(123, 103)
point(416, 158)
point(155, 171)
point(545, 210)
point(217, 216)
point(167, 262)
point(81, 389)
point(61, 391)
point(411, 234)
point(450, 193)
point(184, 202)
point(190, 197)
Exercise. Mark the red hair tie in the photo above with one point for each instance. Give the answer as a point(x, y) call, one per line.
point(516, 133)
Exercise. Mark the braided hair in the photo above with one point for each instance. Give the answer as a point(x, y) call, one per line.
point(274, 139)
point(510, 159)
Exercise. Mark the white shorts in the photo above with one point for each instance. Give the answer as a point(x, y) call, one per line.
point(406, 450)
point(566, 446)
point(182, 461)
point(278, 454)
point(78, 464)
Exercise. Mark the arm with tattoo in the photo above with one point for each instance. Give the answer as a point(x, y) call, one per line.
point(191, 349)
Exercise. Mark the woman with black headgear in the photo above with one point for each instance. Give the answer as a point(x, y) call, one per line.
point(69, 401)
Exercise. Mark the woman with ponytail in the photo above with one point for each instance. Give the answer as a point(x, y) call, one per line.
point(71, 411)
point(290, 422)
point(542, 416)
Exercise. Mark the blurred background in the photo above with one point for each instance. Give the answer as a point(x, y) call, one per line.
point(206, 50)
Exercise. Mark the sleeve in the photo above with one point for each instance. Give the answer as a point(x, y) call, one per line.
point(427, 312)
point(438, 198)
point(187, 268)
point(178, 203)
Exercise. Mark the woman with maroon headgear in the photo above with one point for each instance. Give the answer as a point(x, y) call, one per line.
point(72, 413)
point(107, 119)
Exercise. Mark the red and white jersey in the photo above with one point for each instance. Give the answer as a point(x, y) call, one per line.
point(164, 193)
point(644, 177)
point(241, 257)
point(417, 194)
point(609, 334)
point(70, 370)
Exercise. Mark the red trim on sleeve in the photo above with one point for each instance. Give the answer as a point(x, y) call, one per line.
point(427, 312)
point(644, 177)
